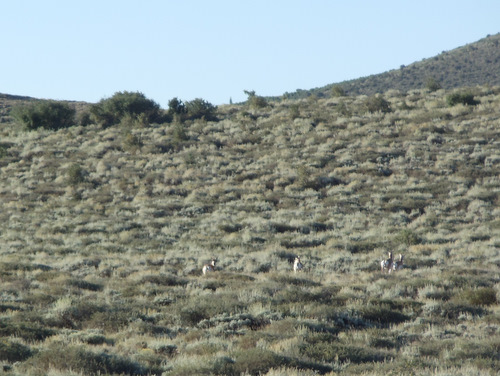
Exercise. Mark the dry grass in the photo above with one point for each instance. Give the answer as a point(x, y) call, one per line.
point(104, 233)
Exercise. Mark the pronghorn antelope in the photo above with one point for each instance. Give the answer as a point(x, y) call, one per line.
point(386, 265)
point(297, 265)
point(207, 268)
point(398, 265)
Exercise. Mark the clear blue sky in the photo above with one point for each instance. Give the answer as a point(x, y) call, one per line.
point(214, 49)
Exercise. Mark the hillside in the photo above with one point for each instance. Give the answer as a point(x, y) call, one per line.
point(104, 232)
point(467, 66)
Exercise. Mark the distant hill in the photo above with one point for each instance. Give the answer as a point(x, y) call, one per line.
point(474, 64)
point(470, 65)
point(15, 97)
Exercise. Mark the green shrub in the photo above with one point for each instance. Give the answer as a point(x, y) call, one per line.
point(132, 142)
point(179, 132)
point(407, 237)
point(255, 101)
point(256, 361)
point(452, 310)
point(231, 323)
point(201, 109)
point(382, 343)
point(362, 246)
point(192, 315)
point(75, 315)
point(481, 296)
point(230, 227)
point(97, 339)
point(206, 307)
point(466, 350)
point(342, 109)
point(164, 280)
point(461, 98)
point(176, 107)
point(294, 111)
point(79, 359)
point(13, 351)
point(26, 331)
point(331, 352)
point(223, 365)
point(44, 114)
point(466, 278)
point(76, 174)
point(376, 103)
point(340, 318)
point(338, 91)
point(434, 348)
point(110, 320)
point(295, 294)
point(291, 280)
point(85, 285)
point(382, 315)
point(131, 107)
point(3, 151)
point(83, 118)
point(432, 84)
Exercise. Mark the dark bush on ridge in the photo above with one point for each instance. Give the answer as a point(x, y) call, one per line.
point(123, 106)
point(176, 107)
point(198, 108)
point(255, 101)
point(201, 109)
point(44, 114)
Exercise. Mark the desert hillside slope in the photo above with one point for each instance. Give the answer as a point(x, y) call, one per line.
point(104, 231)
point(474, 64)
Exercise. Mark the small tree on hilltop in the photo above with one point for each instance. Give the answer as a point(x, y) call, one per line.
point(45, 114)
point(176, 107)
point(200, 108)
point(255, 101)
point(196, 109)
point(126, 105)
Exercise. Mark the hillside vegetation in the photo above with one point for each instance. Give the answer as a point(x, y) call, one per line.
point(470, 65)
point(104, 232)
